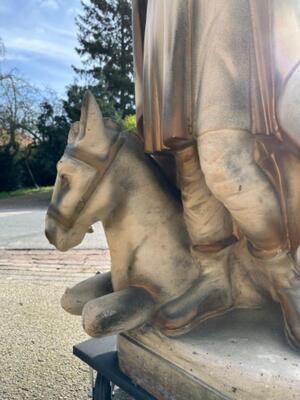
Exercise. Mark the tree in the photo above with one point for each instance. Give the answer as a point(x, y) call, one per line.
point(72, 105)
point(53, 127)
point(17, 108)
point(29, 149)
point(105, 46)
point(75, 94)
point(18, 132)
point(2, 55)
point(33, 131)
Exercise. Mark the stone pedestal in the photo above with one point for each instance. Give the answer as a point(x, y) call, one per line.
point(242, 355)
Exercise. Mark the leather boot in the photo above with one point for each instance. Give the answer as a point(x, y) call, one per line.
point(280, 277)
point(209, 297)
point(210, 230)
point(206, 219)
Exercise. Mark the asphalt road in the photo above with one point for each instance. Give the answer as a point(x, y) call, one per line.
point(22, 225)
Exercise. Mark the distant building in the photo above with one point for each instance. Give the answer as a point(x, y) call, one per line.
point(22, 138)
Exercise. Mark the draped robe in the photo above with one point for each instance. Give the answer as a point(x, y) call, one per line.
point(207, 65)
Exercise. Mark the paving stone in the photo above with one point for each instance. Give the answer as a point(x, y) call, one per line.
point(52, 266)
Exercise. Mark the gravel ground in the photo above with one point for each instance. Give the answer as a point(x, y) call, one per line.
point(36, 335)
point(36, 339)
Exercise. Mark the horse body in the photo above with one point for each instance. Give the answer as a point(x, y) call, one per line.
point(148, 245)
point(152, 266)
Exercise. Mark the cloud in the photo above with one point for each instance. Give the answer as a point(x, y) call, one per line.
point(10, 56)
point(50, 4)
point(42, 47)
point(39, 30)
point(60, 31)
point(73, 11)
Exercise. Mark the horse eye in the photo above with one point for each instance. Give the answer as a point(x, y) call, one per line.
point(64, 180)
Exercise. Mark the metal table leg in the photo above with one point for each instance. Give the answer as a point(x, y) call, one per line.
point(102, 389)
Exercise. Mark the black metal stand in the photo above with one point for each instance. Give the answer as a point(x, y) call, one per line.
point(101, 355)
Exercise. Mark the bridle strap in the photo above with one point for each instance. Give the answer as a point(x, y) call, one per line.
point(54, 213)
point(100, 165)
point(94, 161)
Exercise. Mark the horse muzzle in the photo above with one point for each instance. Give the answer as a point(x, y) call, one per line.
point(51, 230)
point(60, 236)
point(48, 235)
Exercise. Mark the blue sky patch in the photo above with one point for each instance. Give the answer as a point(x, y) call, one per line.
point(40, 37)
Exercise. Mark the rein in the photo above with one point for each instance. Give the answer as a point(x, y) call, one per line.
point(101, 167)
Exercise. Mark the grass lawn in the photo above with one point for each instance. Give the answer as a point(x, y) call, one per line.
point(26, 191)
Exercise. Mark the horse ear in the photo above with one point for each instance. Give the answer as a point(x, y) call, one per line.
point(92, 132)
point(73, 133)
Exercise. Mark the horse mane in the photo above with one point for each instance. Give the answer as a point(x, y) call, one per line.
point(156, 168)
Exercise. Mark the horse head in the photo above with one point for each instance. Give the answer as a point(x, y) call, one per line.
point(78, 199)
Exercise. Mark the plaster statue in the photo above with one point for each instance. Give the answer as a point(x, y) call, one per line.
point(217, 88)
point(105, 175)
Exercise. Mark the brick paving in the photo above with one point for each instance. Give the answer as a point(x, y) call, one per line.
point(52, 266)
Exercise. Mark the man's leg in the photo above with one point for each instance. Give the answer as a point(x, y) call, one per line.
point(231, 173)
point(207, 220)
point(211, 233)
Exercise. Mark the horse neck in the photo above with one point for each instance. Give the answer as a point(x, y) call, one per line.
point(145, 205)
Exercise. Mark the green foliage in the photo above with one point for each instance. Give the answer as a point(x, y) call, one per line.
point(10, 170)
point(25, 192)
point(53, 130)
point(105, 46)
point(36, 163)
point(129, 123)
point(18, 99)
point(72, 105)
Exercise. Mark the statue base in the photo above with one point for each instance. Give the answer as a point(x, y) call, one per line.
point(242, 355)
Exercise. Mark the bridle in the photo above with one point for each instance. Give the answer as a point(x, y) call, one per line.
point(101, 167)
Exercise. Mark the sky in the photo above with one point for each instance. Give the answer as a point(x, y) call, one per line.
point(40, 37)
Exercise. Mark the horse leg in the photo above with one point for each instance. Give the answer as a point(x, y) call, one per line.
point(117, 312)
point(76, 297)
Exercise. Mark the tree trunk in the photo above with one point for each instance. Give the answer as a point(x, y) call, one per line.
point(31, 175)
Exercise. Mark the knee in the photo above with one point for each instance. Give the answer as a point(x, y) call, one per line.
point(102, 317)
point(76, 297)
point(92, 318)
point(117, 312)
point(71, 302)
point(225, 157)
